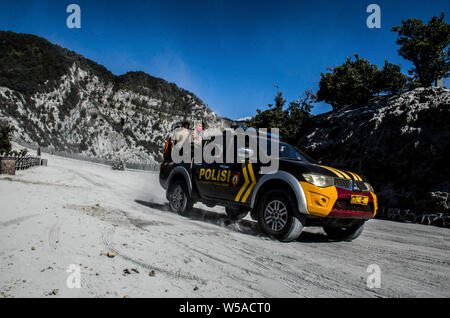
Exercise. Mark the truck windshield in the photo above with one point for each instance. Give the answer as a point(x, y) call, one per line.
point(287, 151)
point(290, 152)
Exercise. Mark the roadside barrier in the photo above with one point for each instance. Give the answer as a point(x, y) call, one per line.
point(128, 165)
point(10, 163)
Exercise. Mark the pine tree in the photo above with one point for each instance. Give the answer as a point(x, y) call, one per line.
point(427, 47)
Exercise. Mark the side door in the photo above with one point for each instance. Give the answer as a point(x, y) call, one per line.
point(212, 179)
point(243, 174)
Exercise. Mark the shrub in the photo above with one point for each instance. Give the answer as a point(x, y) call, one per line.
point(5, 136)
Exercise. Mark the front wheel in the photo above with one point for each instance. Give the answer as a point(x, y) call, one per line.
point(345, 234)
point(179, 199)
point(277, 217)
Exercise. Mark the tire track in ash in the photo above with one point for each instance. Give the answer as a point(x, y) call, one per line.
point(53, 234)
point(88, 179)
point(257, 266)
point(17, 221)
point(93, 289)
point(197, 250)
point(262, 266)
point(53, 241)
point(106, 238)
point(295, 279)
point(313, 276)
point(268, 267)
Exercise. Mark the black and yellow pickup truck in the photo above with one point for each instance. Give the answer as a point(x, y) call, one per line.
point(299, 193)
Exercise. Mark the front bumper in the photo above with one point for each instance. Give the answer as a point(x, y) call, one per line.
point(334, 202)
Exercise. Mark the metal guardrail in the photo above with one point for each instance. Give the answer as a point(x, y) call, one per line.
point(23, 162)
point(76, 156)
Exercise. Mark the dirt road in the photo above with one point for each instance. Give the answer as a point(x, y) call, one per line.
point(74, 213)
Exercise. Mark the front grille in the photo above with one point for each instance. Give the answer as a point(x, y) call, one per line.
point(361, 186)
point(344, 205)
point(351, 185)
point(343, 183)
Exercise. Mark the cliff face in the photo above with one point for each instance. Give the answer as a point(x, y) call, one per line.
point(56, 98)
point(400, 143)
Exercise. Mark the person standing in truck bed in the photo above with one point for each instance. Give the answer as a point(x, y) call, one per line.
point(178, 137)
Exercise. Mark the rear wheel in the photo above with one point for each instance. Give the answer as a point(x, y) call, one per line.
point(345, 234)
point(277, 217)
point(179, 199)
point(236, 213)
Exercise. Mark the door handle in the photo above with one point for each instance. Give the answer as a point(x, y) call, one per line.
point(224, 166)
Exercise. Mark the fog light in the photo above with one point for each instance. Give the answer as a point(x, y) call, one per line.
point(319, 200)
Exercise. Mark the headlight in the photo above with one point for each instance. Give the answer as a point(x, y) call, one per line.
point(319, 180)
point(369, 186)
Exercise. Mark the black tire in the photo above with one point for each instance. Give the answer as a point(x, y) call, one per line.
point(345, 234)
point(277, 217)
point(236, 213)
point(179, 199)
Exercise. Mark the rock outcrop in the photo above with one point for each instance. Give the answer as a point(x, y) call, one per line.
point(400, 143)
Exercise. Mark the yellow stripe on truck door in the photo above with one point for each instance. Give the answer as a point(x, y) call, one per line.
point(250, 188)
point(244, 171)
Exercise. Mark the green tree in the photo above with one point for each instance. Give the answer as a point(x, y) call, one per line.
point(297, 113)
point(271, 117)
point(290, 121)
point(390, 79)
point(357, 81)
point(351, 83)
point(5, 136)
point(426, 46)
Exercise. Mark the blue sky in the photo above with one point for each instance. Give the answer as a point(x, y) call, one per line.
point(229, 53)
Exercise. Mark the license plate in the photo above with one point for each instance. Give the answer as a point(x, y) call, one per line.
point(359, 199)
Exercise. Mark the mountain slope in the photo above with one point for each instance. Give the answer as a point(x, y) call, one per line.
point(400, 143)
point(56, 98)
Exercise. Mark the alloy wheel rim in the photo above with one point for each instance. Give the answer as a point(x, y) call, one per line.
point(177, 198)
point(276, 215)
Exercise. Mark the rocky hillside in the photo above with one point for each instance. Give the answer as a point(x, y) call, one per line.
point(401, 144)
point(56, 98)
